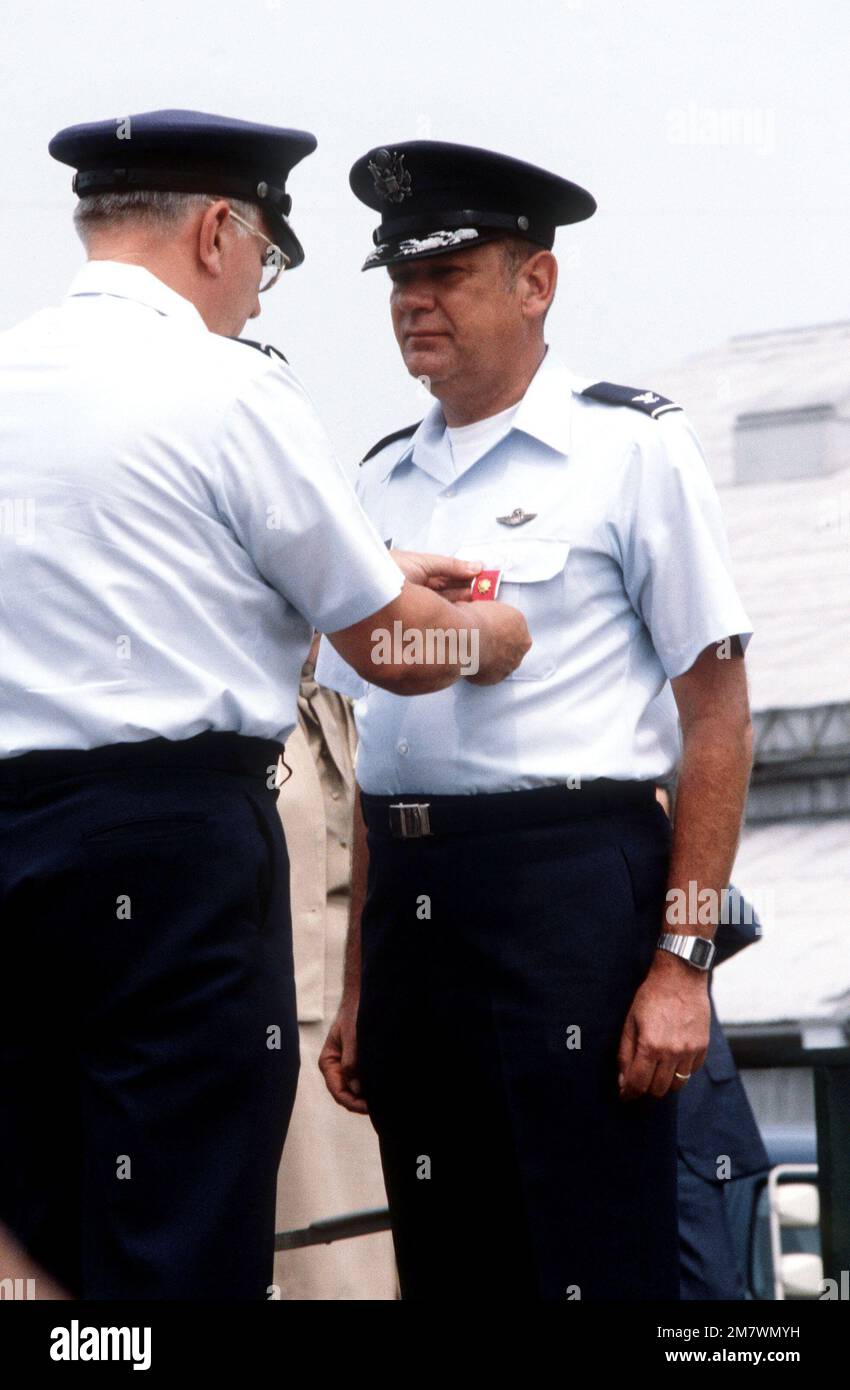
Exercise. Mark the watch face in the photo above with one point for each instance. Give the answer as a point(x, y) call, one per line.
point(701, 951)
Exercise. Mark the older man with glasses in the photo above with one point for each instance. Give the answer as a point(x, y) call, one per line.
point(175, 526)
point(274, 260)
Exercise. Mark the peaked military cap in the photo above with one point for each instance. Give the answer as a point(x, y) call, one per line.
point(189, 152)
point(435, 197)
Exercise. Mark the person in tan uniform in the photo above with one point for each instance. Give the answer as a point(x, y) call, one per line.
point(331, 1164)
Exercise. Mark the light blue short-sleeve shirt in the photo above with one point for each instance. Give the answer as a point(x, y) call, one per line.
point(622, 570)
point(174, 525)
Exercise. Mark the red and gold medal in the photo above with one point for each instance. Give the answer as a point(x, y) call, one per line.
point(485, 585)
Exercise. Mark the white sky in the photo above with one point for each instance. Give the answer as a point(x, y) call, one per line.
point(696, 237)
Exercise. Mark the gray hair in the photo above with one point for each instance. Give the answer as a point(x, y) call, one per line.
point(161, 211)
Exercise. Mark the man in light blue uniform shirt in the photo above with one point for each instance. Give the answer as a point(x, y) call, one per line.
point(528, 1011)
point(593, 569)
point(175, 525)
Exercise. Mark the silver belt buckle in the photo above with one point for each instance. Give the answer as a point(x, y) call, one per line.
point(410, 820)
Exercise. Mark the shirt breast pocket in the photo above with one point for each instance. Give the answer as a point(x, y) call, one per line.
point(533, 578)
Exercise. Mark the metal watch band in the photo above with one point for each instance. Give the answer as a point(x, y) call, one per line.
point(698, 951)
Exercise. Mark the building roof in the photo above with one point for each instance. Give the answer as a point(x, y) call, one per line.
point(790, 540)
point(790, 544)
point(796, 874)
point(787, 369)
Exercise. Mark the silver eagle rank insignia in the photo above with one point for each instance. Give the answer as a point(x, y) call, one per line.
point(392, 180)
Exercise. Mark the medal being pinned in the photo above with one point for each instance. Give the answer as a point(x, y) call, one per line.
point(485, 585)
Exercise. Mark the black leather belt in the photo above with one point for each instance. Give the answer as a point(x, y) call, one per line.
point(219, 750)
point(414, 817)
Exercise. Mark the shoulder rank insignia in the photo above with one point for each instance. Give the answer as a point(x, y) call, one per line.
point(647, 401)
point(262, 347)
point(389, 439)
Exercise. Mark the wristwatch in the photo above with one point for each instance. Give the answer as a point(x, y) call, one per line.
point(698, 951)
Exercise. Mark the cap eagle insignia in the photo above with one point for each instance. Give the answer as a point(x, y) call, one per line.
point(392, 181)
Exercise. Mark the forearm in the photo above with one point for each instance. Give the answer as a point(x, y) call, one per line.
point(421, 643)
point(711, 796)
point(359, 877)
point(16, 1264)
point(436, 640)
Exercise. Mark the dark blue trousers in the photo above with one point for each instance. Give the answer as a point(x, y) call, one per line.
point(710, 1267)
point(498, 969)
point(148, 1036)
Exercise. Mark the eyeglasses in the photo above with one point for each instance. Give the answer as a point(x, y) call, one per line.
point(275, 260)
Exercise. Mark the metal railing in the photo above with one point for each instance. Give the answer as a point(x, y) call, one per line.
point(830, 1067)
point(780, 1219)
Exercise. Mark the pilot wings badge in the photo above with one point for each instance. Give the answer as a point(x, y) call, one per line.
point(392, 181)
point(517, 517)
